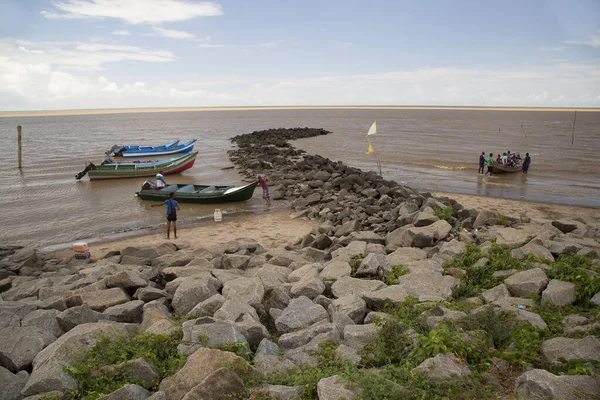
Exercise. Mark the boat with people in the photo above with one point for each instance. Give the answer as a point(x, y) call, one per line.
point(109, 169)
point(173, 147)
point(508, 163)
point(199, 194)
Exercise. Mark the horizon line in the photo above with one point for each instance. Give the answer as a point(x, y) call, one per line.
point(92, 111)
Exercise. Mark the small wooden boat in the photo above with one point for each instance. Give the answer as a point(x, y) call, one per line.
point(500, 168)
point(144, 151)
point(201, 194)
point(132, 169)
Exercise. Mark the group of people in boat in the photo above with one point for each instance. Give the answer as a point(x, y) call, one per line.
point(507, 159)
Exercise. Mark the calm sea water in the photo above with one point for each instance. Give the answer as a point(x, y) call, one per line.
point(434, 150)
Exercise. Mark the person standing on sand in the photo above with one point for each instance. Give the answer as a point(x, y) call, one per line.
point(490, 164)
point(265, 188)
point(526, 163)
point(481, 162)
point(172, 208)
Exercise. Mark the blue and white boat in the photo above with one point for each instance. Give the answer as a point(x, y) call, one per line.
point(142, 151)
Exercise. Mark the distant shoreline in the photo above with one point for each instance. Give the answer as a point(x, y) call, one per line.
point(41, 113)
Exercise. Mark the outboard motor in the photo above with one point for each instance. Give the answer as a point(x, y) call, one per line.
point(89, 167)
point(112, 149)
point(149, 185)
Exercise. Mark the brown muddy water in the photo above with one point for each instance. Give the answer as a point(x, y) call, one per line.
point(434, 150)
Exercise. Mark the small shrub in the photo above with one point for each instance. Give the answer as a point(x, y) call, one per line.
point(395, 273)
point(355, 263)
point(571, 268)
point(111, 350)
point(241, 349)
point(445, 213)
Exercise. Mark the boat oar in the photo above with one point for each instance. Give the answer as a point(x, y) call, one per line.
point(573, 134)
point(523, 130)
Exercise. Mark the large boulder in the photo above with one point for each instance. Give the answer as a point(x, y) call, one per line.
point(126, 312)
point(198, 366)
point(127, 392)
point(211, 332)
point(78, 315)
point(333, 389)
point(524, 283)
point(335, 269)
point(45, 320)
point(100, 300)
point(11, 385)
point(300, 313)
point(347, 285)
point(443, 366)
point(485, 217)
point(559, 293)
point(559, 348)
point(411, 236)
point(360, 336)
point(248, 290)
point(353, 306)
point(533, 249)
point(512, 236)
point(374, 265)
point(125, 280)
point(19, 346)
point(193, 290)
point(541, 384)
point(406, 255)
point(222, 384)
point(48, 373)
point(310, 287)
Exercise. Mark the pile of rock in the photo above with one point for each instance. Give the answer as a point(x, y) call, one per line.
point(53, 311)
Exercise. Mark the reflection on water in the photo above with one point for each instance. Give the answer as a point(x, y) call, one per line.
point(434, 150)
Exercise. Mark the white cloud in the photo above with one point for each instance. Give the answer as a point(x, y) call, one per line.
point(210, 46)
point(593, 41)
point(269, 45)
point(77, 55)
point(172, 34)
point(121, 32)
point(40, 81)
point(346, 45)
point(134, 11)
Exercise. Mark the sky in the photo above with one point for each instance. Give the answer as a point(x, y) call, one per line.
point(86, 54)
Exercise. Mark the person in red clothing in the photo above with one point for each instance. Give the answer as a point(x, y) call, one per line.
point(265, 188)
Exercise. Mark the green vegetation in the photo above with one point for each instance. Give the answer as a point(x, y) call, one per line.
point(355, 263)
point(395, 273)
point(480, 278)
point(241, 349)
point(445, 213)
point(96, 380)
point(572, 268)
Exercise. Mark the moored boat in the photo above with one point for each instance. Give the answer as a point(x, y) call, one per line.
point(115, 170)
point(143, 151)
point(200, 194)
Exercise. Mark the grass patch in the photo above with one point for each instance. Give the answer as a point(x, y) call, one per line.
point(480, 278)
point(395, 273)
point(111, 350)
point(445, 213)
point(571, 268)
point(355, 263)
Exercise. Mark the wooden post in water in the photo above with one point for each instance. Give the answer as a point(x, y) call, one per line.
point(19, 145)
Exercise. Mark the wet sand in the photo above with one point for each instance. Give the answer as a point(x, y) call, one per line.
point(274, 230)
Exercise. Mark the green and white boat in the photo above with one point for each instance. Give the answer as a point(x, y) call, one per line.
point(200, 194)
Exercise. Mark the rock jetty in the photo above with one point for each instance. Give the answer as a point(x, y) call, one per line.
point(397, 293)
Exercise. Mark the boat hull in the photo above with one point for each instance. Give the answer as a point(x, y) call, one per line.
point(500, 168)
point(133, 170)
point(145, 151)
point(221, 194)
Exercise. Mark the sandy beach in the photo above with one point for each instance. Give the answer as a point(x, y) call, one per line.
point(277, 229)
point(40, 113)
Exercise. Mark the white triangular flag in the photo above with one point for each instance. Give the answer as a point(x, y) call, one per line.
point(372, 129)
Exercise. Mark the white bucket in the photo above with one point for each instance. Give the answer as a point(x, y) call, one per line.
point(218, 215)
